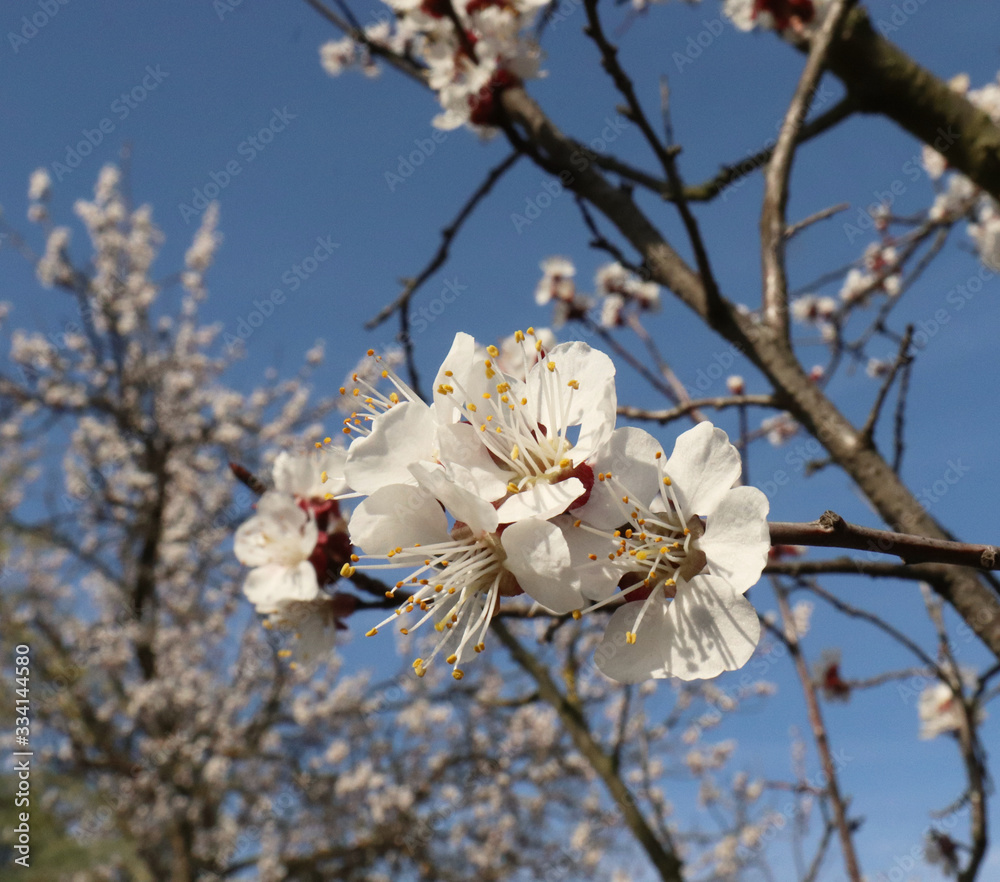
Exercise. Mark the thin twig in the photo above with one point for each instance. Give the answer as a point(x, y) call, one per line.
point(823, 215)
point(843, 824)
point(855, 612)
point(902, 358)
point(682, 410)
point(447, 235)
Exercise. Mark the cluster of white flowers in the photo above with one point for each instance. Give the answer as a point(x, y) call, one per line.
point(296, 544)
point(517, 482)
point(471, 49)
point(798, 16)
point(879, 272)
point(941, 710)
point(959, 197)
point(618, 289)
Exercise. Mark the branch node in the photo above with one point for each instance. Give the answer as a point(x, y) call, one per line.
point(831, 521)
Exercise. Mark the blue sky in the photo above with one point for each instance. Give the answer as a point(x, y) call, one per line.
point(188, 85)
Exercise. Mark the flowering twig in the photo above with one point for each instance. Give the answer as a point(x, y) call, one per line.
point(902, 358)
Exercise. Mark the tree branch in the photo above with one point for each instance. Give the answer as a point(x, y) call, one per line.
point(773, 222)
point(662, 856)
point(832, 531)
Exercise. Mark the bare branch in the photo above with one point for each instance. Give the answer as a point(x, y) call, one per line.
point(773, 225)
point(832, 531)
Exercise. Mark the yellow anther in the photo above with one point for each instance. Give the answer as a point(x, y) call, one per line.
point(515, 452)
point(577, 522)
point(471, 407)
point(641, 555)
point(284, 653)
point(449, 374)
point(322, 477)
point(667, 481)
point(574, 384)
point(494, 352)
point(629, 638)
point(551, 366)
point(327, 440)
point(394, 398)
point(457, 674)
point(592, 556)
point(371, 351)
point(479, 647)
point(531, 332)
point(519, 336)
point(577, 614)
point(512, 487)
point(404, 631)
point(343, 390)
point(565, 463)
point(452, 659)
point(347, 571)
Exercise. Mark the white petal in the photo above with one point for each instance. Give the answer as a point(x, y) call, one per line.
point(402, 435)
point(464, 506)
point(280, 532)
point(737, 538)
point(538, 555)
point(300, 474)
point(630, 456)
point(542, 500)
point(703, 467)
point(270, 586)
point(592, 407)
point(461, 369)
point(705, 630)
point(551, 562)
point(398, 516)
point(460, 443)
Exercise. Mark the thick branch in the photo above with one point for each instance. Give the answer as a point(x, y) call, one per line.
point(881, 78)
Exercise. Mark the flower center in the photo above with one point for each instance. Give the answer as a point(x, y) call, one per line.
point(457, 584)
